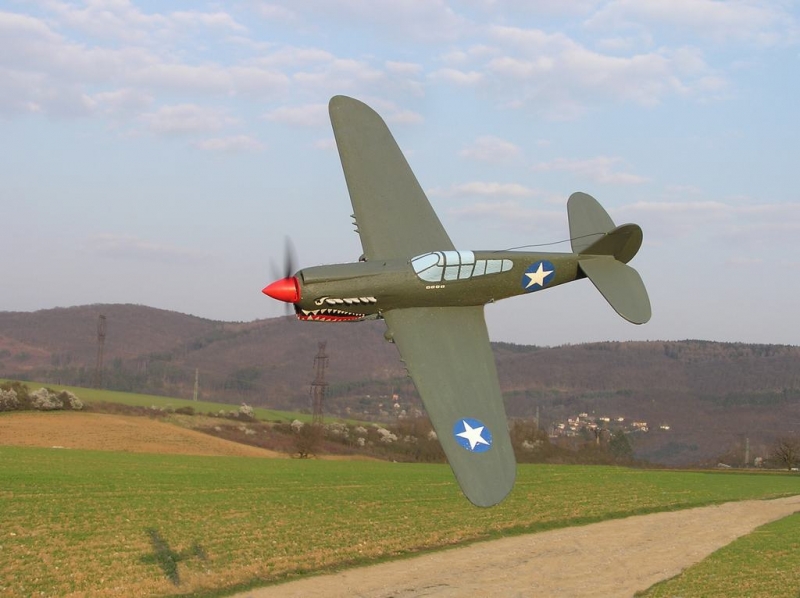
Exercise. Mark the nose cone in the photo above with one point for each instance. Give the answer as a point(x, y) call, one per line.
point(286, 289)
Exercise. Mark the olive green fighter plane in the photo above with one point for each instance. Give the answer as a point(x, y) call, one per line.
point(431, 295)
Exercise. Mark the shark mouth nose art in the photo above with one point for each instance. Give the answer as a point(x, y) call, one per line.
point(328, 315)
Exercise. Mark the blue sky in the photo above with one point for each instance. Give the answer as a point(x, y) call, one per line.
point(159, 152)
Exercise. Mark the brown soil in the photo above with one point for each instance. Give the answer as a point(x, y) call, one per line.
point(97, 431)
point(610, 559)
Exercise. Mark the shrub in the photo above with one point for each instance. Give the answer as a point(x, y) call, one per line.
point(22, 393)
point(386, 436)
point(46, 400)
point(15, 396)
point(8, 400)
point(338, 430)
point(70, 401)
point(246, 412)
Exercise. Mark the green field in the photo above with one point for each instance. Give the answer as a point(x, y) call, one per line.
point(105, 523)
point(94, 395)
point(764, 564)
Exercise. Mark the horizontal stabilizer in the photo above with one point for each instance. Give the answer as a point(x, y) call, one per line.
point(621, 285)
point(623, 242)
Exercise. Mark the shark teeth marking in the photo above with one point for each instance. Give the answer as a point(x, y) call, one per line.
point(329, 315)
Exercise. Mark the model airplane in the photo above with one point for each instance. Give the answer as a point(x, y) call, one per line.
point(432, 295)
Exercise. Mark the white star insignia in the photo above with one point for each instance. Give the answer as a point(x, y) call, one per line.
point(473, 435)
point(538, 276)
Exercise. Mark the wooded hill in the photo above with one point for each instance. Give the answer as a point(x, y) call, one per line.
point(713, 396)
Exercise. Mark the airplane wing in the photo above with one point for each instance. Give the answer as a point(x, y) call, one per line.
point(393, 217)
point(446, 350)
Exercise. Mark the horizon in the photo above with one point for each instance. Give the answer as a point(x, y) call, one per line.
point(565, 344)
point(160, 156)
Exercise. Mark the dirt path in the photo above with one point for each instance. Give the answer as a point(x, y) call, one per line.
point(612, 558)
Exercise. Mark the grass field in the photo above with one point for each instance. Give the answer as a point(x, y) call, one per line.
point(106, 523)
point(94, 395)
point(764, 564)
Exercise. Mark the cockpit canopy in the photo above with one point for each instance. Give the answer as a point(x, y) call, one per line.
point(455, 265)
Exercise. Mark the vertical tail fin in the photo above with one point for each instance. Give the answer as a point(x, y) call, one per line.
point(588, 221)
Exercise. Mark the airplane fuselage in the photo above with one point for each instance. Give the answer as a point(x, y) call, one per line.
point(364, 290)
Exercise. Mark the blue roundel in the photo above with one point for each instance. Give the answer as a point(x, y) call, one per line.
point(538, 275)
point(473, 435)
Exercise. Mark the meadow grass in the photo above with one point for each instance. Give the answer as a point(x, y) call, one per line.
point(105, 523)
point(763, 564)
point(95, 395)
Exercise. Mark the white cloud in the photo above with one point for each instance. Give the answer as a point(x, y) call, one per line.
point(275, 12)
point(232, 144)
point(425, 21)
point(115, 19)
point(491, 149)
point(481, 188)
point(328, 143)
point(121, 20)
point(288, 57)
point(562, 77)
point(46, 71)
point(405, 117)
point(511, 215)
point(754, 21)
point(621, 44)
point(403, 68)
point(600, 170)
point(540, 8)
point(186, 119)
point(209, 78)
point(471, 54)
point(457, 77)
point(737, 223)
point(309, 115)
point(122, 102)
point(211, 20)
point(344, 75)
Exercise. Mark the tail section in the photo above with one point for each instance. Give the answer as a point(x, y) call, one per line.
point(603, 251)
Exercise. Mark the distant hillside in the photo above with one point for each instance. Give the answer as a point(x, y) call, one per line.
point(712, 396)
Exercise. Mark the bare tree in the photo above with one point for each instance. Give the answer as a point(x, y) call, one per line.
point(308, 440)
point(787, 451)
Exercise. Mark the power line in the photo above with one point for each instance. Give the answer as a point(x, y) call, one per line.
point(101, 341)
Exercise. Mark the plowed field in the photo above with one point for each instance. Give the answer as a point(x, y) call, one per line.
point(96, 431)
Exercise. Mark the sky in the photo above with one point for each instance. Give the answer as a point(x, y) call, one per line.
point(160, 153)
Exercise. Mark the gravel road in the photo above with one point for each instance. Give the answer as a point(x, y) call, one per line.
point(612, 558)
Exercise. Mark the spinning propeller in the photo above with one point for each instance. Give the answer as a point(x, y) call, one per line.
point(286, 288)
